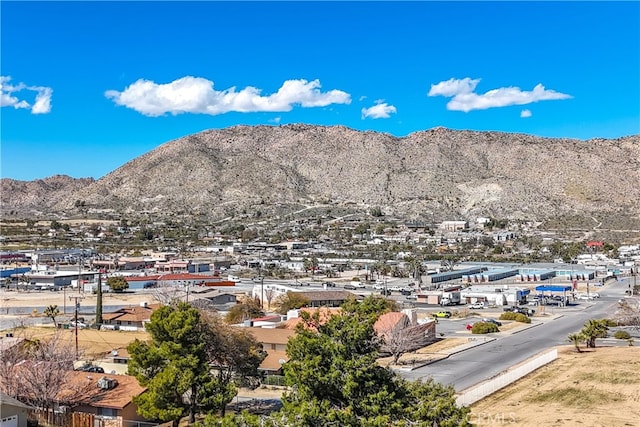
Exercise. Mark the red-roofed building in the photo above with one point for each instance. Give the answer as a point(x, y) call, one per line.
point(102, 397)
point(131, 318)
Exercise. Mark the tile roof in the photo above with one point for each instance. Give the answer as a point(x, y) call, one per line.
point(325, 313)
point(389, 321)
point(271, 335)
point(83, 388)
point(136, 313)
point(272, 361)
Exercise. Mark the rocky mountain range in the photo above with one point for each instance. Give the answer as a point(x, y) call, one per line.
point(429, 175)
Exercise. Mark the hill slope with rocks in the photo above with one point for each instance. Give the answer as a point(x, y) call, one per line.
point(435, 174)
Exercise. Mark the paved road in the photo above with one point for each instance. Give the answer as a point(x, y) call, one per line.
point(477, 364)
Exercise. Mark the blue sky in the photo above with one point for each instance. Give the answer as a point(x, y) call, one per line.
point(86, 87)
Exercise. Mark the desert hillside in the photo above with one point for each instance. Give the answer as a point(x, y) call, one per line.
point(434, 174)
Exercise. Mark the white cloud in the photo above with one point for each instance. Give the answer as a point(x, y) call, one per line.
point(381, 110)
point(465, 99)
point(525, 113)
point(41, 105)
point(453, 87)
point(197, 95)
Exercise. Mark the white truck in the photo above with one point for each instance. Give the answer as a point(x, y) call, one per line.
point(450, 298)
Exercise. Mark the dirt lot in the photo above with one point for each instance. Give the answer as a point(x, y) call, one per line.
point(42, 298)
point(92, 343)
point(596, 388)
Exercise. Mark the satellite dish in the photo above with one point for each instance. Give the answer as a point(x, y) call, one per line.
point(282, 361)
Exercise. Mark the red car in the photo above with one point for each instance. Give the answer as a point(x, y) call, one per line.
point(469, 326)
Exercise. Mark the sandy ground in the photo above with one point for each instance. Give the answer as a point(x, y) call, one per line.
point(93, 344)
point(596, 388)
point(44, 298)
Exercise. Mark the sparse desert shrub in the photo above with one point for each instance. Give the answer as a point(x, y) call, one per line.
point(508, 315)
point(622, 335)
point(523, 318)
point(484, 328)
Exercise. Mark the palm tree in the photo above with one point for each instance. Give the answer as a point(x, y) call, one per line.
point(576, 339)
point(52, 311)
point(594, 329)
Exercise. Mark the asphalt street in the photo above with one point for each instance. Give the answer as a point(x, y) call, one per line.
point(472, 366)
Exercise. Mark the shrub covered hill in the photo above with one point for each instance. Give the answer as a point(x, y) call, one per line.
point(429, 175)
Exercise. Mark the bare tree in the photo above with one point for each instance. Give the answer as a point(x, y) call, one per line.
point(168, 294)
point(269, 294)
point(403, 337)
point(37, 372)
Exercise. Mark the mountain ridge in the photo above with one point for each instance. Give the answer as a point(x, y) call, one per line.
point(436, 173)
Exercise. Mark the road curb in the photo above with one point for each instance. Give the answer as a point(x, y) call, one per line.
point(526, 329)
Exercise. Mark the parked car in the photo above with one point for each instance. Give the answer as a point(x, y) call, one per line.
point(91, 368)
point(80, 324)
point(412, 297)
point(494, 321)
point(476, 305)
point(442, 314)
point(469, 326)
point(405, 291)
point(349, 287)
point(395, 288)
point(523, 310)
point(329, 284)
point(378, 286)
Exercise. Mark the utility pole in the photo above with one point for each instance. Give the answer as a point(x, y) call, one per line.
point(99, 299)
point(77, 299)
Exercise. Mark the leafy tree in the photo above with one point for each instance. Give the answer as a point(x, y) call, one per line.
point(576, 339)
point(174, 366)
point(249, 234)
point(291, 301)
point(336, 379)
point(52, 311)
point(245, 309)
point(310, 264)
point(235, 354)
point(117, 284)
point(145, 233)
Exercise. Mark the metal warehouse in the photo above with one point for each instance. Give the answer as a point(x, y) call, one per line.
point(452, 275)
point(492, 276)
point(537, 276)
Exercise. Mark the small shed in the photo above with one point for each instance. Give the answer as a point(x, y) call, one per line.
point(13, 413)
